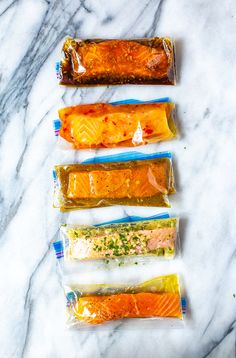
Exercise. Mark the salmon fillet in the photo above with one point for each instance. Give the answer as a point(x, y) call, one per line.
point(128, 58)
point(135, 182)
point(155, 237)
point(118, 61)
point(143, 181)
point(107, 125)
point(99, 309)
point(102, 247)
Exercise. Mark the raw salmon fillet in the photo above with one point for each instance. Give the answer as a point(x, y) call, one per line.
point(107, 125)
point(99, 309)
point(142, 181)
point(103, 243)
point(127, 58)
point(134, 182)
point(89, 62)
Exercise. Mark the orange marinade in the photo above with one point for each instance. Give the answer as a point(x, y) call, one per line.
point(106, 125)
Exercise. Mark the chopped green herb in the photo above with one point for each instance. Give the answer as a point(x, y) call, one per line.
point(122, 236)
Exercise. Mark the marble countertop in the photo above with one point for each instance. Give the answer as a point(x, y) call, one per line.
point(31, 299)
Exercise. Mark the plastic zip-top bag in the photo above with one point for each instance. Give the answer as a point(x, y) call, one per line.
point(79, 247)
point(124, 179)
point(157, 300)
point(127, 123)
point(123, 61)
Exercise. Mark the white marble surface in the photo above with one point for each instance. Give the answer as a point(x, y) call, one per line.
point(31, 299)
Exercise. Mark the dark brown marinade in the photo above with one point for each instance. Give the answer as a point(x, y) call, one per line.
point(111, 62)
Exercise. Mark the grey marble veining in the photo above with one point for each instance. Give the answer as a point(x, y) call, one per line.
point(31, 298)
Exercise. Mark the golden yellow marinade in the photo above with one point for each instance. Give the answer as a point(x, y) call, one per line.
point(97, 304)
point(140, 182)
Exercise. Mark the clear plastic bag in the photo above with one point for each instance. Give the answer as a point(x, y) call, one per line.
point(104, 62)
point(126, 179)
point(120, 124)
point(155, 237)
point(157, 300)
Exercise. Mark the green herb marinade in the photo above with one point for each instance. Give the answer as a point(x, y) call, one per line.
point(126, 239)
